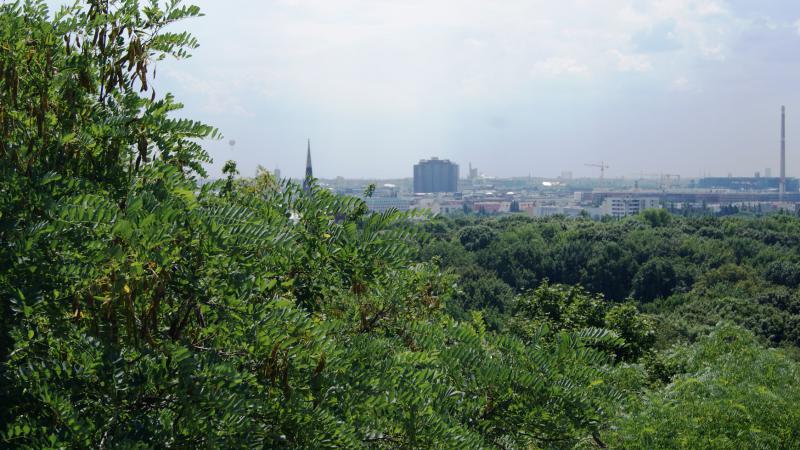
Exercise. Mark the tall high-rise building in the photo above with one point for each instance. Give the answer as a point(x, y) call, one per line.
point(309, 170)
point(435, 175)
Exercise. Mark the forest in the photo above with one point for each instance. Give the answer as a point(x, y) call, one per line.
point(145, 308)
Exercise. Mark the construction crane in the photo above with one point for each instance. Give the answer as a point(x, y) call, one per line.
point(603, 166)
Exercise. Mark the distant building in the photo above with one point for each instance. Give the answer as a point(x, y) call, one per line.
point(439, 205)
point(491, 207)
point(451, 207)
point(527, 207)
point(566, 211)
point(382, 204)
point(690, 196)
point(765, 183)
point(435, 175)
point(473, 172)
point(627, 206)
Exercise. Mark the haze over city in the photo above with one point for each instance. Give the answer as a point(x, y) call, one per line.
point(515, 87)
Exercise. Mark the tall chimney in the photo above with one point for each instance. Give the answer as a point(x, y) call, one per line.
point(783, 152)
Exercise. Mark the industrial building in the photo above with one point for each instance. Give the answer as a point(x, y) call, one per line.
point(748, 183)
point(691, 196)
point(435, 175)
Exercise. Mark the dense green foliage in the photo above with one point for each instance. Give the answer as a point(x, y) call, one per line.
point(142, 308)
point(690, 272)
point(732, 393)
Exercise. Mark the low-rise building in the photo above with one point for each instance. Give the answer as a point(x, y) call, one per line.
point(491, 207)
point(439, 205)
point(527, 207)
point(627, 206)
point(566, 211)
point(382, 204)
point(451, 207)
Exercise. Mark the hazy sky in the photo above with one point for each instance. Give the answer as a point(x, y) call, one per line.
point(514, 86)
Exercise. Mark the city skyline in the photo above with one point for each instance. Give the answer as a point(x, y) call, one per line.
point(524, 87)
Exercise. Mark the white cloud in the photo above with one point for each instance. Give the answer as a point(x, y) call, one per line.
point(681, 83)
point(216, 96)
point(559, 66)
point(710, 9)
point(716, 52)
point(632, 63)
point(386, 55)
point(797, 26)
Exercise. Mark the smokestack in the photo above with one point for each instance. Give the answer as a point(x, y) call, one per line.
point(783, 152)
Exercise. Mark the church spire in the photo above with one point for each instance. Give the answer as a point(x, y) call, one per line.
point(309, 171)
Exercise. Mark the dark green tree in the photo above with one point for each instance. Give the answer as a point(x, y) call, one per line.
point(657, 278)
point(476, 237)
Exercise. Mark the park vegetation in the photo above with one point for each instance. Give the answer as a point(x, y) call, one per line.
point(143, 308)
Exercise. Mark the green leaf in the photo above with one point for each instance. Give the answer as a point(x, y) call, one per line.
point(124, 229)
point(68, 138)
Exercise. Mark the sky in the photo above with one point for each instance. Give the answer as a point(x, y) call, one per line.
point(516, 87)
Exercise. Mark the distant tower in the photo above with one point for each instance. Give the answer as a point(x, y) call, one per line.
point(309, 171)
point(473, 172)
point(783, 152)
